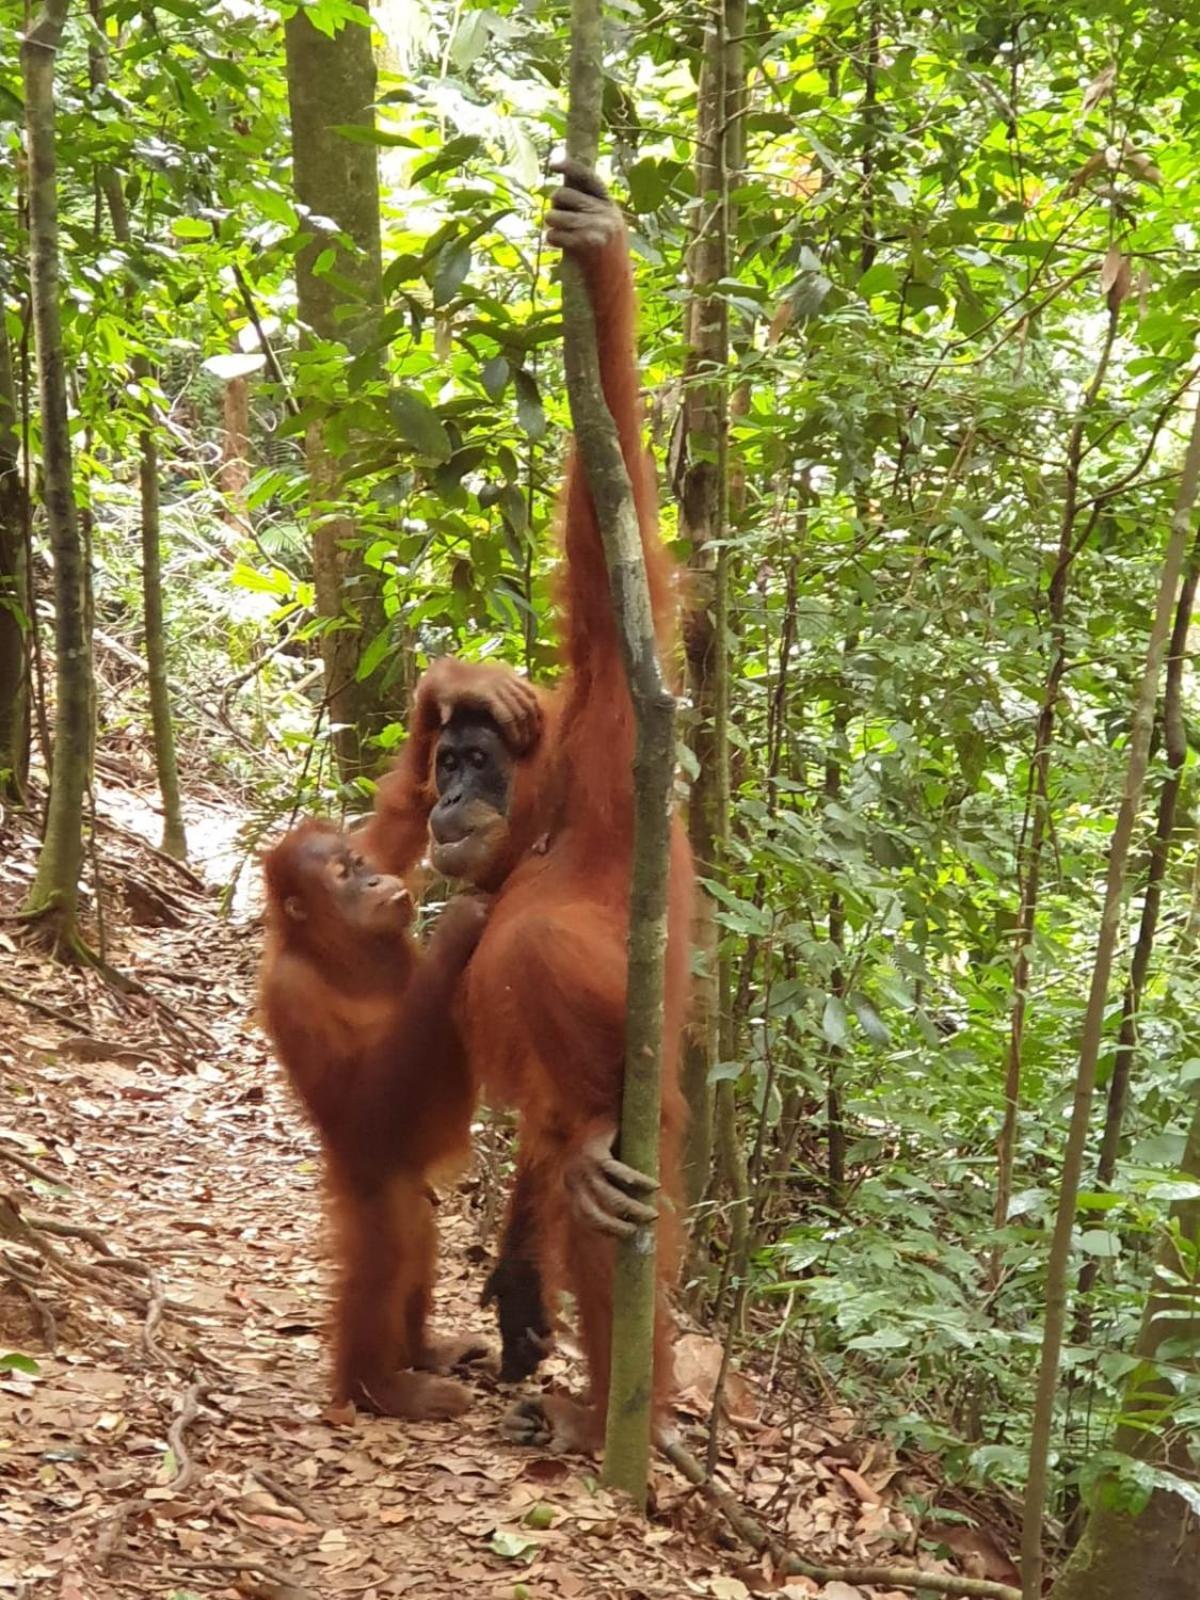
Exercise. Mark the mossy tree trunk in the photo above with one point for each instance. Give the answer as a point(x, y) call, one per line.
point(14, 639)
point(331, 83)
point(54, 896)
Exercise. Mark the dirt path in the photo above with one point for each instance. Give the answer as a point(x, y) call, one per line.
point(173, 1440)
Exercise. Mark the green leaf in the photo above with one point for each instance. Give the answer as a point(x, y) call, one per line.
point(881, 1339)
point(834, 1023)
point(879, 279)
point(419, 425)
point(357, 133)
point(371, 657)
point(470, 39)
point(11, 1361)
point(494, 377)
point(513, 1546)
point(455, 154)
point(451, 268)
point(530, 413)
point(274, 582)
point(869, 1020)
point(1097, 1242)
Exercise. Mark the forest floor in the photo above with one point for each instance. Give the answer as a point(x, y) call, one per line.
point(160, 1262)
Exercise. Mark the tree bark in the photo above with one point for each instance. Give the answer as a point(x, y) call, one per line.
point(331, 82)
point(54, 895)
point(703, 499)
point(14, 642)
point(1029, 866)
point(1057, 1266)
point(233, 475)
point(1154, 1555)
point(1175, 739)
point(635, 1285)
point(174, 838)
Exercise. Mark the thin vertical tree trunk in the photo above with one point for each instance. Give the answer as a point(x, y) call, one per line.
point(702, 509)
point(14, 642)
point(1154, 1555)
point(704, 514)
point(233, 475)
point(331, 82)
point(174, 838)
point(1059, 1261)
point(635, 1281)
point(1175, 739)
point(835, 1127)
point(1029, 865)
point(54, 895)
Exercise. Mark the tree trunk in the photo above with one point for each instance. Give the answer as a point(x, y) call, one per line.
point(14, 644)
point(233, 475)
point(54, 895)
point(331, 82)
point(1175, 738)
point(635, 1279)
point(1029, 865)
point(174, 839)
point(703, 498)
point(1154, 1555)
point(1058, 1264)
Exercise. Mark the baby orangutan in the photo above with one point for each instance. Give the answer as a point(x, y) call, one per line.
point(361, 1020)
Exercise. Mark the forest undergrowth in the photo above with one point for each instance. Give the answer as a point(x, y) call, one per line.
point(165, 1428)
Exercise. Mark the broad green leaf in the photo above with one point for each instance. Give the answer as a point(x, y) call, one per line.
point(419, 425)
point(530, 414)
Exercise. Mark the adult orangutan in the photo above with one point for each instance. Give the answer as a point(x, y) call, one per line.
point(363, 1022)
point(529, 795)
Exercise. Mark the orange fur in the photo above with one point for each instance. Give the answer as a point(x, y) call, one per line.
point(544, 999)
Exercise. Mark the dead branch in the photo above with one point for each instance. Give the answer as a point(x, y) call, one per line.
point(177, 1437)
point(55, 1013)
point(760, 1540)
point(286, 1496)
point(46, 1320)
point(14, 1158)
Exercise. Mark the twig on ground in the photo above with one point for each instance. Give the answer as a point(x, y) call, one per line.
point(288, 1497)
point(112, 1531)
point(56, 1013)
point(14, 1158)
point(760, 1540)
point(154, 1316)
point(150, 1302)
point(240, 1564)
point(46, 1320)
point(177, 1437)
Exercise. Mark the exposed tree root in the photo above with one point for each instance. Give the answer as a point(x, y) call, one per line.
point(112, 1273)
point(760, 1540)
point(55, 1013)
point(14, 1158)
point(177, 1437)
